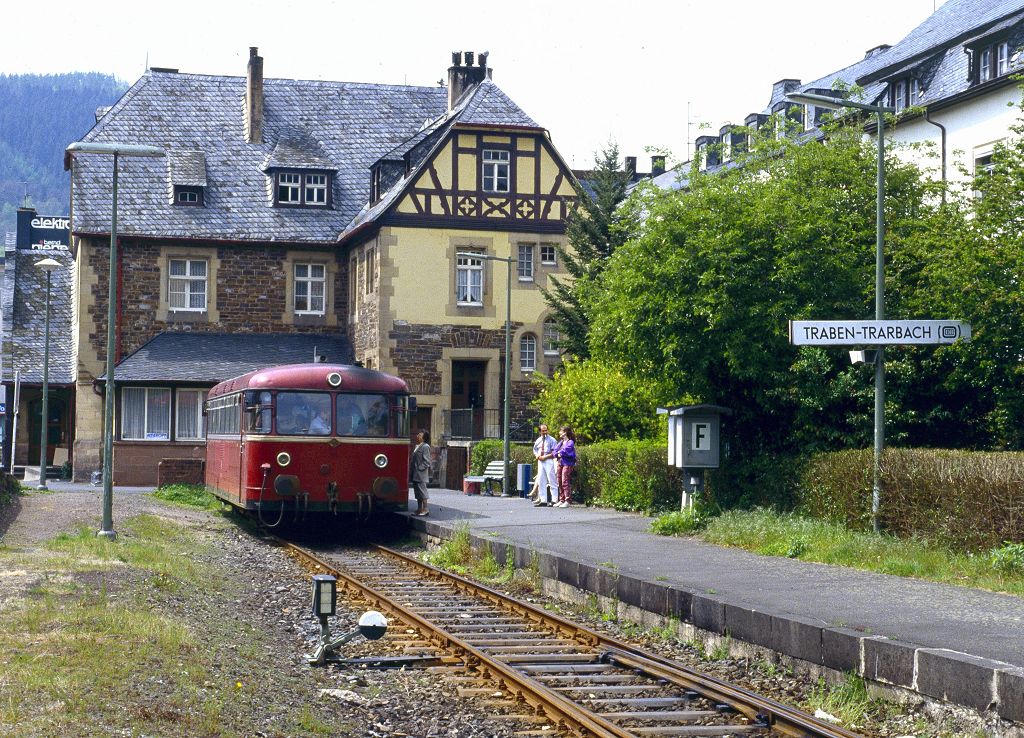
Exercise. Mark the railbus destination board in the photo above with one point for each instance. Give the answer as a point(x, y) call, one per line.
point(876, 332)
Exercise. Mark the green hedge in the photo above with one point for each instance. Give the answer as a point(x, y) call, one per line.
point(624, 475)
point(968, 500)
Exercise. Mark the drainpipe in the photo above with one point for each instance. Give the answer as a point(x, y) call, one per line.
point(927, 117)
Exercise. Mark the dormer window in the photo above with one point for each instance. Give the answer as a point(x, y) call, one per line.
point(302, 189)
point(186, 195)
point(990, 61)
point(904, 93)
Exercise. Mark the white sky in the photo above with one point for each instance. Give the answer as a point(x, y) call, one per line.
point(587, 70)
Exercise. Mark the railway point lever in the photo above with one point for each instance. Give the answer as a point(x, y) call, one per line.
point(371, 626)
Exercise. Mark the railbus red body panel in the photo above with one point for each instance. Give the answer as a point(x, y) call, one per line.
point(310, 438)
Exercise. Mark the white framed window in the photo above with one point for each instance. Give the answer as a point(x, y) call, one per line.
point(551, 337)
point(469, 280)
point(496, 169)
point(808, 117)
point(900, 96)
point(528, 352)
point(983, 167)
point(915, 91)
point(310, 288)
point(316, 189)
point(186, 284)
point(548, 254)
point(189, 423)
point(1002, 58)
point(726, 147)
point(145, 414)
point(289, 190)
point(524, 266)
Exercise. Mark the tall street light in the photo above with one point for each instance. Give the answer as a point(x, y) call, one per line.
point(116, 150)
point(508, 353)
point(835, 103)
point(47, 265)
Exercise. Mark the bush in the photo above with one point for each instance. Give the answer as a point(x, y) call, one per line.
point(967, 500)
point(599, 401)
point(1008, 559)
point(625, 475)
point(679, 523)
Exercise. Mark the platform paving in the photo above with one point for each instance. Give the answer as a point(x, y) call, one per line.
point(952, 643)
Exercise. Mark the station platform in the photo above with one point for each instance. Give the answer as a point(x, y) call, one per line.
point(957, 644)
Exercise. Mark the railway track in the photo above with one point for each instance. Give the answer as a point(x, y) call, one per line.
point(554, 675)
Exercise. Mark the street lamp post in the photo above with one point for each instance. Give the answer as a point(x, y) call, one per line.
point(47, 265)
point(508, 354)
point(116, 150)
point(834, 103)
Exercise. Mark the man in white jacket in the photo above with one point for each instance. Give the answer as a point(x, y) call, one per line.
point(543, 451)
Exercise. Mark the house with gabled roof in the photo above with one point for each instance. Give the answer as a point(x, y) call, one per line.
point(952, 81)
point(328, 210)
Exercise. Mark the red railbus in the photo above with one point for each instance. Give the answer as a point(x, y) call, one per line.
point(316, 438)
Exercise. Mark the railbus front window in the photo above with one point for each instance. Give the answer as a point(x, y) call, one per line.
point(363, 415)
point(303, 413)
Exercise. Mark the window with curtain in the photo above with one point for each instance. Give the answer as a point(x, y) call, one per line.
point(188, 420)
point(310, 288)
point(145, 414)
point(186, 284)
point(469, 280)
point(551, 337)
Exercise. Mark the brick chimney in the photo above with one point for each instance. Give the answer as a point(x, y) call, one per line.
point(463, 76)
point(657, 164)
point(254, 98)
point(631, 166)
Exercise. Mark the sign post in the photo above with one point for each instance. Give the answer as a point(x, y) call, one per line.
point(878, 333)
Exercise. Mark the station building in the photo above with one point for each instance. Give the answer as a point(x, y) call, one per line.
point(297, 218)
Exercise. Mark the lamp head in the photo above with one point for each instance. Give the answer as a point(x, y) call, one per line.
point(48, 264)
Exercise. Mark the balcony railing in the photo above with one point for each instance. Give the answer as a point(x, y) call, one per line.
point(477, 423)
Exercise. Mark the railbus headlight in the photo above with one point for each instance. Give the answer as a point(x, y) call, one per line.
point(284, 458)
point(380, 461)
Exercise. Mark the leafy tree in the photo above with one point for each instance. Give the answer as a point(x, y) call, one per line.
point(700, 300)
point(600, 401)
point(594, 231)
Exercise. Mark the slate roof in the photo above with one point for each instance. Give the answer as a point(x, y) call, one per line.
point(339, 126)
point(953, 21)
point(933, 51)
point(24, 300)
point(208, 358)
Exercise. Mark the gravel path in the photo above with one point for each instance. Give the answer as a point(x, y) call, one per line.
point(274, 626)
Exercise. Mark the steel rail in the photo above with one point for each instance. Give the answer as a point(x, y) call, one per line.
point(561, 710)
point(782, 718)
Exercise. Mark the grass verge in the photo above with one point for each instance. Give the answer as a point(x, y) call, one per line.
point(188, 495)
point(134, 636)
point(794, 536)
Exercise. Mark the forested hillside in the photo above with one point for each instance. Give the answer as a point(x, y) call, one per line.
point(39, 116)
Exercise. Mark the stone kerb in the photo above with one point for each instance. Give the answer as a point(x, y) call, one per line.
point(970, 681)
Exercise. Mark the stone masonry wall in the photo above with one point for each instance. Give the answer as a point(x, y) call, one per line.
point(250, 295)
point(418, 349)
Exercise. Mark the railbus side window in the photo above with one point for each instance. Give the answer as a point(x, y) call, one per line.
point(258, 415)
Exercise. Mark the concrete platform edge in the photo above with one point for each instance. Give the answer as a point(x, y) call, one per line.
point(959, 678)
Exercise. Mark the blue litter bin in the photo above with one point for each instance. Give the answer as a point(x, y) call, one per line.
point(524, 478)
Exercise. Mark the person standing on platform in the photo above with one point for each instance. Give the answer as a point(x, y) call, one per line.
point(565, 453)
point(544, 452)
point(421, 471)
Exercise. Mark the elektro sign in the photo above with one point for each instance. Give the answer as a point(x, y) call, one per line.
point(876, 332)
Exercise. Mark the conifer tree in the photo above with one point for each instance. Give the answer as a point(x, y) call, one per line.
point(594, 230)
